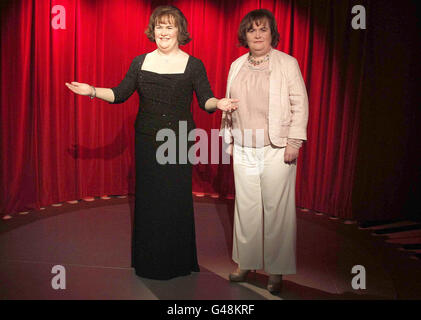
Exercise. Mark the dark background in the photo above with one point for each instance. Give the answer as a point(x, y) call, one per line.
point(387, 177)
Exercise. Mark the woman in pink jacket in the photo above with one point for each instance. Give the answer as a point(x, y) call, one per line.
point(265, 134)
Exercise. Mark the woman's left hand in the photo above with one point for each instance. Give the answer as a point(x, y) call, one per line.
point(291, 154)
point(227, 104)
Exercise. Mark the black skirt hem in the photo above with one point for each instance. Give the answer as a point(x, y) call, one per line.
point(166, 277)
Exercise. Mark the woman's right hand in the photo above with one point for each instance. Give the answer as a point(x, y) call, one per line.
point(83, 89)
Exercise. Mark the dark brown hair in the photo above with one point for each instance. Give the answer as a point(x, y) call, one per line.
point(257, 16)
point(170, 14)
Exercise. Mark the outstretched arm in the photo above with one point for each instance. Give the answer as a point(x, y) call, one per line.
point(85, 89)
point(224, 104)
point(204, 94)
point(117, 94)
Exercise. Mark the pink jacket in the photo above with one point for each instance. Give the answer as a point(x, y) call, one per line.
point(288, 102)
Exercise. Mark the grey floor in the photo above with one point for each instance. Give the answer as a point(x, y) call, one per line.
point(91, 240)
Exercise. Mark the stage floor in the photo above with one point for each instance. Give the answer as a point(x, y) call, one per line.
point(91, 240)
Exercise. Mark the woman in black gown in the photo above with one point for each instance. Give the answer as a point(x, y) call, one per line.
point(164, 244)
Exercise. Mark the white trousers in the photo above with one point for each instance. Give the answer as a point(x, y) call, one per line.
point(264, 235)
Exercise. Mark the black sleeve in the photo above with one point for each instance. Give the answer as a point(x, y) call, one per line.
point(128, 85)
point(201, 85)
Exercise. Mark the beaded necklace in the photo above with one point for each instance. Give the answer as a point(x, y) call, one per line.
point(255, 62)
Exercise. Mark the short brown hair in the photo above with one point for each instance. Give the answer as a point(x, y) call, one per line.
point(170, 14)
point(257, 16)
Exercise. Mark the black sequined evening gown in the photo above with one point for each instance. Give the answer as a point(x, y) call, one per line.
point(164, 244)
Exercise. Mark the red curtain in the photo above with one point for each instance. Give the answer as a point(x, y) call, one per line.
point(56, 146)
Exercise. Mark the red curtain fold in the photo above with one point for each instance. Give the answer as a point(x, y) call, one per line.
point(56, 146)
